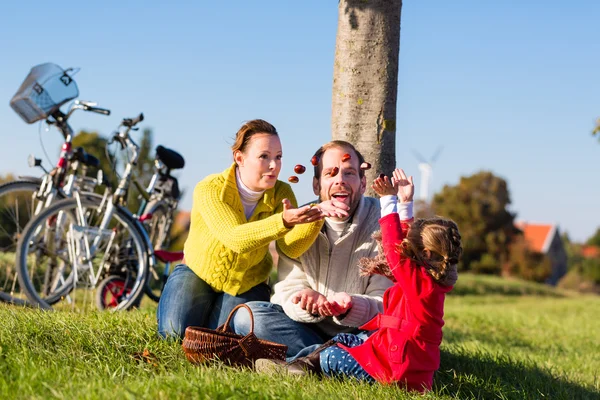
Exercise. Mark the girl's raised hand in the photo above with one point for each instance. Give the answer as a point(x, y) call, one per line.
point(404, 186)
point(383, 186)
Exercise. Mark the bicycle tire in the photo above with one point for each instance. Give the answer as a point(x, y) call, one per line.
point(110, 290)
point(60, 239)
point(158, 228)
point(15, 197)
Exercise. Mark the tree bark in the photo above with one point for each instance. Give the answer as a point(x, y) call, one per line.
point(365, 80)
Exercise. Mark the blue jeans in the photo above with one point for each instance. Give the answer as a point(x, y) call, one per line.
point(187, 300)
point(337, 362)
point(272, 323)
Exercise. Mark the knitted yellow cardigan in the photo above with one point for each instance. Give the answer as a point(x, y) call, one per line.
point(231, 253)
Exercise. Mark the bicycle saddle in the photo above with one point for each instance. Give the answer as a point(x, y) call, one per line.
point(79, 154)
point(171, 158)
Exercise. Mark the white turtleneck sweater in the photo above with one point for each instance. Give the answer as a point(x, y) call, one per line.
point(249, 197)
point(389, 204)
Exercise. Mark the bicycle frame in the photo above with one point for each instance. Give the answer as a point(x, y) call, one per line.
point(122, 136)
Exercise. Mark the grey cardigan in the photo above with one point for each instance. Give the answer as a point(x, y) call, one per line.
point(329, 268)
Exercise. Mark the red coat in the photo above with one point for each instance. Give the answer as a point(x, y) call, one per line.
point(406, 346)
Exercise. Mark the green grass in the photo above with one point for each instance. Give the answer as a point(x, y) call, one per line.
point(502, 340)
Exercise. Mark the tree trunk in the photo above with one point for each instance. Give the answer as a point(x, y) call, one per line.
point(365, 80)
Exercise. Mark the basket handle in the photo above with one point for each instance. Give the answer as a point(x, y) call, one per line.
point(225, 326)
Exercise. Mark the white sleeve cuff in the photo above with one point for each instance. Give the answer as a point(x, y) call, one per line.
point(388, 204)
point(405, 210)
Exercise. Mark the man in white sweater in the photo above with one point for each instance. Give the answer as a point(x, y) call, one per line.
point(321, 293)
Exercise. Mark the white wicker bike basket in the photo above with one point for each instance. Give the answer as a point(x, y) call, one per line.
point(45, 89)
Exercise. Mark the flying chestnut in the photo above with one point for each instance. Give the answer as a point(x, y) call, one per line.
point(299, 169)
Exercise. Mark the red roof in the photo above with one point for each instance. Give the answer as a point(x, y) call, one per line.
point(538, 236)
point(590, 251)
point(182, 221)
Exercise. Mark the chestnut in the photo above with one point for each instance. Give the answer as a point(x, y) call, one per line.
point(365, 166)
point(334, 171)
point(314, 161)
point(299, 169)
point(346, 157)
point(293, 179)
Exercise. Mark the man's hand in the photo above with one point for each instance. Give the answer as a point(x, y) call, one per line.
point(333, 208)
point(309, 300)
point(336, 304)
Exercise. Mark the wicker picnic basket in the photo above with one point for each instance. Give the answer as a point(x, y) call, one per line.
point(202, 344)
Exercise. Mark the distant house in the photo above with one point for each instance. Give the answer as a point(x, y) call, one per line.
point(545, 239)
point(182, 221)
point(588, 251)
point(179, 230)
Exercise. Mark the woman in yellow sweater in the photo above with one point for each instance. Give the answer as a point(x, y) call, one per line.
point(235, 215)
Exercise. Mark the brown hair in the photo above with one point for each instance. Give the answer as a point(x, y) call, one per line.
point(340, 144)
point(441, 237)
point(249, 129)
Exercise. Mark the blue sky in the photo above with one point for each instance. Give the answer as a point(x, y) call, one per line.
point(511, 87)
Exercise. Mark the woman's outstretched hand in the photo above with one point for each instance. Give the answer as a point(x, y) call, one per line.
point(405, 187)
point(294, 216)
point(313, 212)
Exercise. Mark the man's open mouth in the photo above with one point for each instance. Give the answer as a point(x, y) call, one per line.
point(341, 196)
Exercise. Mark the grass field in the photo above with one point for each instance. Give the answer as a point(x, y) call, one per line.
point(502, 340)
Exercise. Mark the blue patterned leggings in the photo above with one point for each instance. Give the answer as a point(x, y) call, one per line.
point(337, 362)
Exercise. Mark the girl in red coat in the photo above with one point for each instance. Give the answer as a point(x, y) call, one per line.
point(403, 344)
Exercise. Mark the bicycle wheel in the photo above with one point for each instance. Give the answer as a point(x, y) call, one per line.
point(158, 228)
point(64, 253)
point(111, 290)
point(18, 203)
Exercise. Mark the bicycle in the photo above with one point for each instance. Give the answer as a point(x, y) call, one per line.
point(26, 196)
point(77, 242)
point(156, 213)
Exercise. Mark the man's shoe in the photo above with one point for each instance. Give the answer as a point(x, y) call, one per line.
point(297, 367)
point(305, 365)
point(269, 366)
point(311, 364)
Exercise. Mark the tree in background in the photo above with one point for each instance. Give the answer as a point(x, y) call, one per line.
point(365, 80)
point(595, 239)
point(526, 264)
point(478, 204)
point(95, 145)
point(582, 273)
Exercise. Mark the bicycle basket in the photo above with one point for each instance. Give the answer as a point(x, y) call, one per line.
point(45, 89)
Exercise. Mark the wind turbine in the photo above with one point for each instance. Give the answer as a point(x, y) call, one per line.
point(426, 169)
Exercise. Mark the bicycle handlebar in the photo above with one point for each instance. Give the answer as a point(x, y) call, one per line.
point(131, 122)
point(97, 110)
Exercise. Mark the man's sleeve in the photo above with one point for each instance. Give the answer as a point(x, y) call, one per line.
point(292, 279)
point(366, 306)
